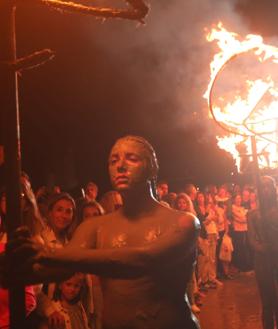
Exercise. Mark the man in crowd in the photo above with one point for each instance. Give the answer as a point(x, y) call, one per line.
point(263, 233)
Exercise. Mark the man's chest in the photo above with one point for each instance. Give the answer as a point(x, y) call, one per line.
point(129, 235)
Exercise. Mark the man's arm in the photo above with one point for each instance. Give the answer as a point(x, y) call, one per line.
point(26, 253)
point(175, 245)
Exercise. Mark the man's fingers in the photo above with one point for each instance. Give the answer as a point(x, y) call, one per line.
point(23, 232)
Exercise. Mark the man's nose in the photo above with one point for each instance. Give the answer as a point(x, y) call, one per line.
point(121, 165)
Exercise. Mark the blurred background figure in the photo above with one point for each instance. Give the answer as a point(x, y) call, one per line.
point(162, 191)
point(184, 203)
point(111, 201)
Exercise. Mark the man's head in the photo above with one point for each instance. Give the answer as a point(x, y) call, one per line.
point(162, 189)
point(245, 195)
point(132, 161)
point(91, 191)
point(191, 190)
point(268, 186)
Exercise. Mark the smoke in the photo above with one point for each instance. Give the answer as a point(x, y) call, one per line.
point(117, 78)
point(166, 62)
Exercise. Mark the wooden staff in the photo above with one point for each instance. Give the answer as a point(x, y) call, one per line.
point(10, 127)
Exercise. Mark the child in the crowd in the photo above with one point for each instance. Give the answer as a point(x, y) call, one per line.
point(225, 255)
point(68, 302)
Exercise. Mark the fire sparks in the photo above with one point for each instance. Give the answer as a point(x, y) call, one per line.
point(245, 101)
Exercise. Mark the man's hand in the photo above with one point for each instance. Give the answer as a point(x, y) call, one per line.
point(21, 254)
point(56, 320)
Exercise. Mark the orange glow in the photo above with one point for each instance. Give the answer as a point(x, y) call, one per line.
point(246, 103)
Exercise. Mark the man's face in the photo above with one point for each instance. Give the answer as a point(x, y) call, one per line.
point(91, 191)
point(128, 165)
point(162, 189)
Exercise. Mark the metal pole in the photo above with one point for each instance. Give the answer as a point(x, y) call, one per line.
point(256, 173)
point(10, 127)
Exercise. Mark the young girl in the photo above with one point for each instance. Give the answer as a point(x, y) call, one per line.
point(67, 302)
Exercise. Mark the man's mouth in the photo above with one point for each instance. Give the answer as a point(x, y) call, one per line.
point(121, 179)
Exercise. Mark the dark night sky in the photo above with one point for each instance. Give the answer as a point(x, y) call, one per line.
point(115, 78)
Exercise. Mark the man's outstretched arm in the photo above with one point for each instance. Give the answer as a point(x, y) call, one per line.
point(80, 256)
point(175, 245)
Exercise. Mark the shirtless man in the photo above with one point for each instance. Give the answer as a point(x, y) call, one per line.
point(143, 252)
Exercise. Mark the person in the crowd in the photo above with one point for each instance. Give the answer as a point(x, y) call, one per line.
point(212, 236)
point(61, 223)
point(191, 190)
point(245, 194)
point(111, 201)
point(43, 194)
point(211, 190)
point(170, 199)
point(90, 195)
point(241, 254)
point(143, 247)
point(184, 203)
point(262, 234)
point(68, 300)
point(221, 201)
point(91, 191)
point(203, 245)
point(162, 189)
point(89, 210)
point(225, 255)
point(253, 200)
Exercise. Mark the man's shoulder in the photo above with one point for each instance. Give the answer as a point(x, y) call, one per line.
point(181, 218)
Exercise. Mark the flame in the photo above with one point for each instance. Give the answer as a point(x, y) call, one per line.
point(247, 106)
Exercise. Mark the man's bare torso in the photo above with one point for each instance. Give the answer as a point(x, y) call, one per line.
point(154, 299)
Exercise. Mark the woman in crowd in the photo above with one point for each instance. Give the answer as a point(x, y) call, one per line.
point(221, 200)
point(241, 254)
point(203, 255)
point(60, 227)
point(210, 224)
point(184, 203)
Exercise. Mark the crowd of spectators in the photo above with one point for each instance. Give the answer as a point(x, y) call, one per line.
point(53, 215)
point(223, 247)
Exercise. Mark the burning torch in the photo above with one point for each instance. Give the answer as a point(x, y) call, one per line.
point(250, 122)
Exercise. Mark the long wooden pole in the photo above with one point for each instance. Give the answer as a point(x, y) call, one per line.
point(11, 134)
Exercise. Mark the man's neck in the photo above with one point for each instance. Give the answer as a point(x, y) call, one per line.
point(138, 202)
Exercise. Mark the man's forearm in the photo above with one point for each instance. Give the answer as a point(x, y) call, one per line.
point(127, 262)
